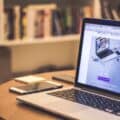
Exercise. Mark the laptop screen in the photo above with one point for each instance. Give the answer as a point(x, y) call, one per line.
point(100, 57)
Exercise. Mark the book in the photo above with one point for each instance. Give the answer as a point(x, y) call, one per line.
point(64, 21)
point(87, 11)
point(47, 23)
point(56, 22)
point(97, 8)
point(106, 9)
point(80, 16)
point(17, 22)
point(5, 26)
point(1, 20)
point(76, 19)
point(39, 19)
point(23, 22)
point(10, 23)
point(68, 20)
point(39, 24)
point(115, 14)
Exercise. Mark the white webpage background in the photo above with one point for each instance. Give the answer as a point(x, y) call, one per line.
point(90, 31)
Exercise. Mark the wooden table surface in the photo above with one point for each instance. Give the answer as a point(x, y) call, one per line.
point(11, 110)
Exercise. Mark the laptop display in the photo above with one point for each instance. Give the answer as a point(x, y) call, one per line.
point(100, 57)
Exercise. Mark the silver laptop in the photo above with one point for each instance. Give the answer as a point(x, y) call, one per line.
point(96, 92)
point(103, 50)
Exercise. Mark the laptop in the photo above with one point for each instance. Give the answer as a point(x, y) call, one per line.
point(103, 47)
point(96, 92)
point(103, 50)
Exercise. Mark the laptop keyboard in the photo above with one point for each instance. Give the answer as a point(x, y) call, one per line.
point(105, 53)
point(88, 99)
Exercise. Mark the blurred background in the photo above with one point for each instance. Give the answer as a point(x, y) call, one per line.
point(44, 35)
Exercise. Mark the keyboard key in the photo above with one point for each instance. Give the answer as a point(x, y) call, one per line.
point(89, 99)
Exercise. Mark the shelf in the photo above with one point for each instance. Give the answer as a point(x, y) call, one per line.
point(64, 3)
point(63, 38)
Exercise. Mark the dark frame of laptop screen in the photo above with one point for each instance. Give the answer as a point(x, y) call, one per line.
point(93, 21)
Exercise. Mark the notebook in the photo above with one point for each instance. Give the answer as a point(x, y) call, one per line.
point(29, 79)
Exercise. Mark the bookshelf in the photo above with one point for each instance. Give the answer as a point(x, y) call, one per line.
point(58, 50)
point(5, 4)
point(30, 54)
point(57, 39)
point(91, 4)
point(1, 20)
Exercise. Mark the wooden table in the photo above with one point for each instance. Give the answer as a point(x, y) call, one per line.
point(11, 110)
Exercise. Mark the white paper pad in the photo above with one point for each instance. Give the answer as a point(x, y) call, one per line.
point(30, 79)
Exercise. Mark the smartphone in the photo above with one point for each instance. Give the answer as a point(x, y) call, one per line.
point(37, 87)
point(64, 77)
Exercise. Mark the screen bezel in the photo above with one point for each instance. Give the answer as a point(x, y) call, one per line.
point(99, 22)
